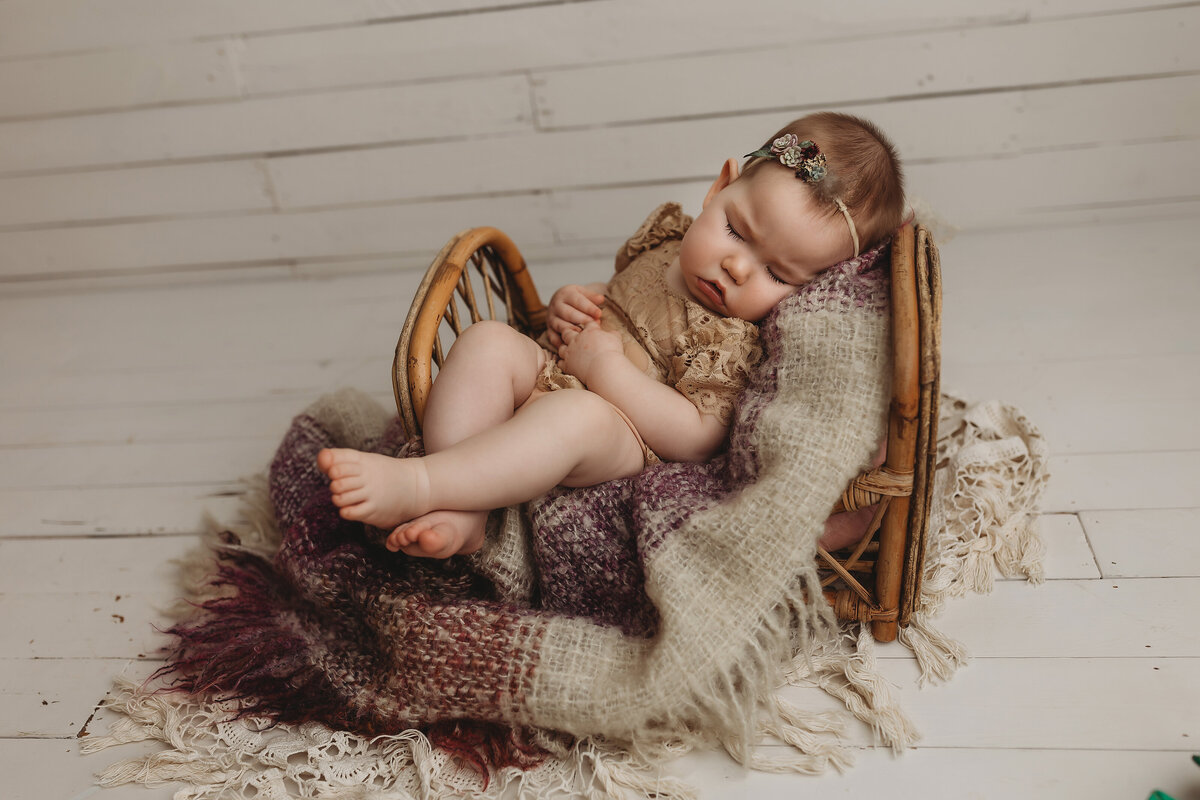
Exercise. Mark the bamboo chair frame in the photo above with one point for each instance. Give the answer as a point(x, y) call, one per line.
point(878, 580)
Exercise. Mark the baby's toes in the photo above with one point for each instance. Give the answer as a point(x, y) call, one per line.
point(399, 538)
point(346, 485)
point(339, 462)
point(332, 458)
point(349, 498)
point(435, 543)
point(345, 469)
point(413, 550)
point(355, 512)
point(425, 543)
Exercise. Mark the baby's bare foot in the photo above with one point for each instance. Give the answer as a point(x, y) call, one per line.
point(846, 529)
point(375, 489)
point(440, 534)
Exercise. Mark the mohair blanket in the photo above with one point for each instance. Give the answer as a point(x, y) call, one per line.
point(644, 610)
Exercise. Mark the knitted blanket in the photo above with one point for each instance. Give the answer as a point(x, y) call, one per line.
point(609, 622)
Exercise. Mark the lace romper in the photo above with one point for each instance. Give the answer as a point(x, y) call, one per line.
point(673, 339)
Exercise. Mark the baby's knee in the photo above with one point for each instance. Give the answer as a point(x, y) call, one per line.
point(492, 339)
point(588, 414)
point(592, 425)
point(487, 333)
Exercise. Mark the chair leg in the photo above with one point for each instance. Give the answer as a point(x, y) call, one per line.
point(885, 631)
point(889, 577)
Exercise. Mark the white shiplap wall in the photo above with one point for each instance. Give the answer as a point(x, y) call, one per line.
point(163, 137)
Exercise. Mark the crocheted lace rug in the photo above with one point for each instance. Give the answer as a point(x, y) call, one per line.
point(990, 477)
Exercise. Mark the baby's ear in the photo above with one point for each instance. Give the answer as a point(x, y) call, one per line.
point(729, 173)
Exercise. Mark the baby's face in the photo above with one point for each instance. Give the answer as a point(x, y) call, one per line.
point(758, 239)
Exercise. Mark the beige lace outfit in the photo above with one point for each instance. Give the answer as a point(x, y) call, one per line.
point(673, 339)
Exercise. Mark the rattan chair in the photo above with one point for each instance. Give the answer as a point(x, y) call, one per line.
point(480, 274)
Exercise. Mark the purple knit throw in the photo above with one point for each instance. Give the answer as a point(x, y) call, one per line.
point(339, 630)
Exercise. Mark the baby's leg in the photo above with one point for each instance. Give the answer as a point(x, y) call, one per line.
point(571, 437)
point(489, 373)
point(846, 529)
point(490, 370)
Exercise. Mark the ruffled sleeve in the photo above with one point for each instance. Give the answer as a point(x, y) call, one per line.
point(665, 223)
point(713, 361)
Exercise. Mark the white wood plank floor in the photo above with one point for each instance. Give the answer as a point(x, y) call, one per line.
point(129, 412)
point(211, 213)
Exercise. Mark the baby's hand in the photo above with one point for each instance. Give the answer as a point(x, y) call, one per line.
point(582, 350)
point(570, 309)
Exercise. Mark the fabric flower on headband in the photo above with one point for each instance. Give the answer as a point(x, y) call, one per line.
point(803, 156)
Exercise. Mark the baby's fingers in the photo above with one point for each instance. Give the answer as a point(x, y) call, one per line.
point(557, 329)
point(577, 316)
point(585, 301)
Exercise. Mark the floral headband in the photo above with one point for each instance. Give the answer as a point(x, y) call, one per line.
point(810, 165)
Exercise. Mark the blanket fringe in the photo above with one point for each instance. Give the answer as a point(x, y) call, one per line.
point(611, 771)
point(255, 534)
point(814, 737)
point(848, 670)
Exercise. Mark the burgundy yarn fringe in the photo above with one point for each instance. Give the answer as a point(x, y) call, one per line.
point(249, 647)
point(240, 648)
point(486, 747)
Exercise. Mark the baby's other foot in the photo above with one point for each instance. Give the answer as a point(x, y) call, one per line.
point(440, 534)
point(375, 489)
point(846, 529)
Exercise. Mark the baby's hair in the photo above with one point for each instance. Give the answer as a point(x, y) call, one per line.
point(863, 170)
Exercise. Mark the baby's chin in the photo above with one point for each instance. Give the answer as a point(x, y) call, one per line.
point(707, 305)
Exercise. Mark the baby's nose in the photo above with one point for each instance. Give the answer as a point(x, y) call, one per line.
point(736, 266)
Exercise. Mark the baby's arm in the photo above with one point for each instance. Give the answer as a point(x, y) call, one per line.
point(669, 423)
point(572, 307)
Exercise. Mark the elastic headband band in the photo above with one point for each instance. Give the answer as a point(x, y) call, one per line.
point(850, 222)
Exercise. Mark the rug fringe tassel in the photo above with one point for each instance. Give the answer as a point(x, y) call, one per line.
point(220, 757)
point(938, 655)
